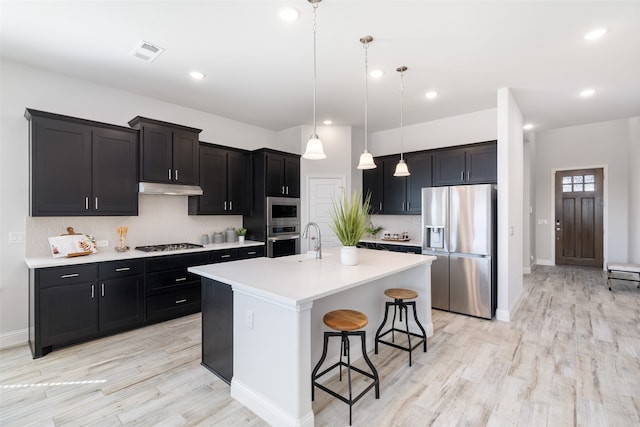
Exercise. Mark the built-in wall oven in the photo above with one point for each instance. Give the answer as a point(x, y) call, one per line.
point(283, 226)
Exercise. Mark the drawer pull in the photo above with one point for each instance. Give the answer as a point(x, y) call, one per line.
point(252, 253)
point(93, 291)
point(225, 256)
point(102, 289)
point(181, 279)
point(180, 301)
point(123, 269)
point(68, 276)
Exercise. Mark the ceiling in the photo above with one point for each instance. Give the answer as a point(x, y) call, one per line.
point(260, 69)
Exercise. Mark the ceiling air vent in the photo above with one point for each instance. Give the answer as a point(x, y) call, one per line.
point(146, 51)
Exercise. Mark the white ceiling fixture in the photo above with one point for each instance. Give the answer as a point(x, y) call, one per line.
point(595, 34)
point(376, 74)
point(431, 94)
point(146, 51)
point(401, 167)
point(527, 126)
point(586, 93)
point(288, 14)
point(314, 150)
point(197, 75)
point(328, 122)
point(366, 159)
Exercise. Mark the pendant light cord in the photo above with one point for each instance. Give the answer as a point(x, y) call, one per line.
point(366, 91)
point(315, 8)
point(401, 115)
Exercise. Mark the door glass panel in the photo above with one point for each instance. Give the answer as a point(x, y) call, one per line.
point(589, 187)
point(589, 178)
point(577, 179)
point(566, 180)
point(577, 187)
point(566, 188)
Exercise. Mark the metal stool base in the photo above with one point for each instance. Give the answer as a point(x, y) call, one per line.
point(402, 305)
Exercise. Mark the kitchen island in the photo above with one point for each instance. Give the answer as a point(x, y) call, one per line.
point(278, 305)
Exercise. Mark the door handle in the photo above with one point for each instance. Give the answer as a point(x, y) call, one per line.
point(558, 229)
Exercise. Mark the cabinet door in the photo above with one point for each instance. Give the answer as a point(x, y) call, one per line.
point(69, 313)
point(482, 164)
point(372, 183)
point(292, 176)
point(115, 172)
point(274, 174)
point(61, 168)
point(213, 180)
point(420, 167)
point(449, 167)
point(239, 182)
point(156, 149)
point(394, 193)
point(185, 157)
point(121, 303)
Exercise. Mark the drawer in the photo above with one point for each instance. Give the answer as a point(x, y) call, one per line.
point(251, 252)
point(67, 275)
point(223, 255)
point(173, 262)
point(165, 280)
point(115, 269)
point(173, 304)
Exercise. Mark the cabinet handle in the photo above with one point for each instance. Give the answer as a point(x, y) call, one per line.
point(96, 203)
point(402, 205)
point(176, 174)
point(181, 279)
point(93, 288)
point(282, 192)
point(380, 205)
point(408, 206)
point(251, 253)
point(230, 205)
point(225, 205)
point(123, 269)
point(462, 176)
point(67, 276)
point(102, 289)
point(181, 301)
point(169, 172)
point(86, 203)
point(468, 175)
point(225, 256)
point(287, 190)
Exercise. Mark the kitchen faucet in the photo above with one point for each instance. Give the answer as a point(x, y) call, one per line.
point(318, 247)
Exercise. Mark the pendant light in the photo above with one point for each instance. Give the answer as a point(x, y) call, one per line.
point(366, 159)
point(401, 167)
point(314, 149)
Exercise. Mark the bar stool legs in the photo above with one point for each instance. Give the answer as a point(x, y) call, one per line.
point(401, 305)
point(345, 351)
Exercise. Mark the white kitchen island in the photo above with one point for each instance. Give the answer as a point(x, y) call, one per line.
point(278, 305)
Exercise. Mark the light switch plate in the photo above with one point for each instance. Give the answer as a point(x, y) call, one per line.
point(16, 237)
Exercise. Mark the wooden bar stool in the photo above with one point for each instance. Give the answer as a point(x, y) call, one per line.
point(399, 296)
point(347, 323)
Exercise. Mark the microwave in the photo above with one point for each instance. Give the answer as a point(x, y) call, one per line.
point(282, 211)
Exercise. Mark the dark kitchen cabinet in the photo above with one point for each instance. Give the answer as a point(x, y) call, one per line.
point(169, 153)
point(225, 178)
point(277, 172)
point(476, 164)
point(80, 167)
point(373, 186)
point(420, 166)
point(121, 289)
point(217, 328)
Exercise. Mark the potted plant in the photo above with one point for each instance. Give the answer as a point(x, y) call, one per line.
point(242, 232)
point(349, 221)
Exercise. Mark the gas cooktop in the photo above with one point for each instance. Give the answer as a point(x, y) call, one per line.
point(168, 247)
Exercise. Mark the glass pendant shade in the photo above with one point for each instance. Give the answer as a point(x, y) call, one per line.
point(366, 161)
point(314, 149)
point(401, 169)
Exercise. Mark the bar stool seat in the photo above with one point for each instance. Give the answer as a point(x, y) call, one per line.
point(347, 323)
point(400, 295)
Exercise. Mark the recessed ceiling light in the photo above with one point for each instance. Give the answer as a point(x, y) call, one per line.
point(587, 93)
point(376, 74)
point(197, 75)
point(595, 34)
point(327, 122)
point(431, 94)
point(288, 14)
point(528, 126)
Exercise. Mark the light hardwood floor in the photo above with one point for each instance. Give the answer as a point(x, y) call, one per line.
point(570, 356)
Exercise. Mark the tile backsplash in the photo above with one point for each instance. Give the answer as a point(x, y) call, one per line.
point(161, 219)
point(412, 224)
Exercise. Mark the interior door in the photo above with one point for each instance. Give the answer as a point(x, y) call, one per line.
point(322, 192)
point(579, 205)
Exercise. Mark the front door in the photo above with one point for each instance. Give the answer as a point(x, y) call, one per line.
point(578, 222)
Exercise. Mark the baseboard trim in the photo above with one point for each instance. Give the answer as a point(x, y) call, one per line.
point(14, 338)
point(526, 270)
point(545, 262)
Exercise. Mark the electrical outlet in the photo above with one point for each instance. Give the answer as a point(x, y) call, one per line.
point(16, 237)
point(102, 243)
point(249, 319)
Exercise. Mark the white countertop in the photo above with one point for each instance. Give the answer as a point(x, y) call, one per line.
point(300, 279)
point(109, 254)
point(412, 242)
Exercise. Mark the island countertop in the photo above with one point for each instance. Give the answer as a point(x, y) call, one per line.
point(300, 279)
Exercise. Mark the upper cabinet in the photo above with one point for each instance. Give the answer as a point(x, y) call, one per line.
point(81, 167)
point(225, 178)
point(277, 172)
point(475, 164)
point(169, 153)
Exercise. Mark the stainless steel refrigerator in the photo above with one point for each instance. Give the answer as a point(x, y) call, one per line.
point(459, 227)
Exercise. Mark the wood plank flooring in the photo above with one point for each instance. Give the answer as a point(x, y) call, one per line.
point(570, 357)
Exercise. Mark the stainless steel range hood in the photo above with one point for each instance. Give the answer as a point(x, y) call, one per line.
point(169, 189)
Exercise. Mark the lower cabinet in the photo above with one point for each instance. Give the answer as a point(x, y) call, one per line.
point(217, 328)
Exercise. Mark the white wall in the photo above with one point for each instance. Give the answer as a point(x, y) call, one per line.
point(529, 192)
point(510, 202)
point(634, 190)
point(21, 87)
point(606, 145)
